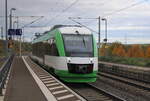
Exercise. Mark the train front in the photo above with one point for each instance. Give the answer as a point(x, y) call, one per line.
point(81, 56)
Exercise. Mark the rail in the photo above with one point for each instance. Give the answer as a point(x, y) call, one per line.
point(111, 95)
point(132, 72)
point(90, 92)
point(4, 72)
point(132, 86)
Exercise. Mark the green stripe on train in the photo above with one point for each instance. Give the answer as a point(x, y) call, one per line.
point(70, 77)
point(59, 43)
point(78, 80)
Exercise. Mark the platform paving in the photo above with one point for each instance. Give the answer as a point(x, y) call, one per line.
point(21, 85)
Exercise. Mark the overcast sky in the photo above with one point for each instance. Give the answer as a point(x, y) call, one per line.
point(128, 20)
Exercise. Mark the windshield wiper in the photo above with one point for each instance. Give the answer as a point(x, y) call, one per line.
point(84, 41)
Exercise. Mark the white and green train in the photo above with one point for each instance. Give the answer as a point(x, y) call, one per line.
point(70, 50)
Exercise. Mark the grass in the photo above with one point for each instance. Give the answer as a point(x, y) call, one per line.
point(144, 62)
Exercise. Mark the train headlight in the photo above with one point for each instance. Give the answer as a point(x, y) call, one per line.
point(69, 60)
point(91, 60)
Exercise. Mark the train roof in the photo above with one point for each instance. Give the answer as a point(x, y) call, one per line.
point(61, 26)
point(72, 29)
point(63, 29)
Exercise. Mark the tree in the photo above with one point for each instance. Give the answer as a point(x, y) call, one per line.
point(130, 52)
point(135, 51)
point(114, 52)
point(147, 53)
point(111, 49)
point(119, 51)
point(102, 50)
point(1, 48)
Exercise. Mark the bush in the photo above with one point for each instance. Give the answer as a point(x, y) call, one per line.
point(148, 64)
point(126, 60)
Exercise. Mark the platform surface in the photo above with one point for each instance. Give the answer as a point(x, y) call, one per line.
point(21, 85)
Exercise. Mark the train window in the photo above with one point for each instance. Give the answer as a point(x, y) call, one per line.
point(37, 49)
point(53, 48)
point(78, 45)
point(45, 48)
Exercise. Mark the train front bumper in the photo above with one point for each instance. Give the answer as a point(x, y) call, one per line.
point(78, 78)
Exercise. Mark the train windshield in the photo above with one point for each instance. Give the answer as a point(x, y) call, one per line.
point(77, 45)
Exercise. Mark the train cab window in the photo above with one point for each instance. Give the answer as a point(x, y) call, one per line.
point(78, 45)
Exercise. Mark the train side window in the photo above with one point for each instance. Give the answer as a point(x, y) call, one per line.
point(53, 48)
point(45, 48)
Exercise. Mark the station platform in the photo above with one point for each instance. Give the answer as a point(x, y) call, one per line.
point(29, 82)
point(21, 86)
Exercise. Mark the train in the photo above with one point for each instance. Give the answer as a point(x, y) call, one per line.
point(70, 51)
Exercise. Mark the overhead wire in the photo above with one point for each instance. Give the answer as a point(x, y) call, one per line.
point(125, 8)
point(32, 22)
point(63, 11)
point(84, 26)
point(122, 9)
point(101, 4)
point(56, 4)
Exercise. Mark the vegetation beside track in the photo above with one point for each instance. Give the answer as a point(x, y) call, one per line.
point(14, 47)
point(25, 46)
point(2, 52)
point(133, 54)
point(126, 60)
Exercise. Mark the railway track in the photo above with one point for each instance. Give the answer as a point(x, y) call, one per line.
point(93, 93)
point(135, 87)
point(133, 72)
point(132, 82)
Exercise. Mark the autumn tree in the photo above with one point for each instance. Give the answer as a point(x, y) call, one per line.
point(147, 53)
point(119, 51)
point(1, 48)
point(112, 47)
point(135, 51)
point(114, 52)
point(102, 50)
